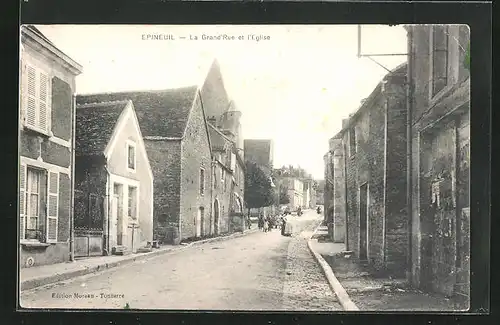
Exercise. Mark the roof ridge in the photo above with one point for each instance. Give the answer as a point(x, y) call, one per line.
point(104, 103)
point(135, 91)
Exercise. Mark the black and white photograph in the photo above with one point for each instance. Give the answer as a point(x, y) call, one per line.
point(244, 167)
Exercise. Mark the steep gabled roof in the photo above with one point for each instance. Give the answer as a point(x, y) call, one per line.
point(163, 113)
point(95, 124)
point(214, 95)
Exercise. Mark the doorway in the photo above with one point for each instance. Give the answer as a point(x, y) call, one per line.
point(363, 222)
point(216, 216)
point(118, 221)
point(198, 222)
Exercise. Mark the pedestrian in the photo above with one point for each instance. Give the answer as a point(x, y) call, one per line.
point(266, 225)
point(261, 222)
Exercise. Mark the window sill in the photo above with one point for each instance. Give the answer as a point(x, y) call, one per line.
point(34, 243)
point(132, 222)
point(37, 130)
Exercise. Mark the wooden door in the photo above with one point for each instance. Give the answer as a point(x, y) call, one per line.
point(113, 231)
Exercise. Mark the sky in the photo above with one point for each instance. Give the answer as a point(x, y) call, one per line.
point(294, 85)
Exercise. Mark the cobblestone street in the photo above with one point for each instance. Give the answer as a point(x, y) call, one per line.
point(260, 271)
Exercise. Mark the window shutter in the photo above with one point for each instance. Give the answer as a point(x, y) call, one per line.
point(31, 105)
point(22, 198)
point(22, 94)
point(53, 206)
point(43, 101)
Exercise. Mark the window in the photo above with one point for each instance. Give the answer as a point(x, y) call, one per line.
point(132, 202)
point(439, 55)
point(32, 201)
point(36, 99)
point(32, 204)
point(202, 181)
point(131, 156)
point(352, 141)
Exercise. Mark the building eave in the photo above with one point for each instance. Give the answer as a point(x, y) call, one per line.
point(67, 62)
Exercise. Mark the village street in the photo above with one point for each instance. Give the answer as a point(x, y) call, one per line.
point(260, 271)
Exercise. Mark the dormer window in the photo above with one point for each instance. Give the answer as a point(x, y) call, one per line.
point(131, 156)
point(36, 95)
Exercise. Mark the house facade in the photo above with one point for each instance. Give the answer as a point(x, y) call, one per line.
point(440, 161)
point(295, 190)
point(113, 181)
point(46, 134)
point(371, 148)
point(177, 142)
point(406, 166)
point(334, 195)
point(228, 184)
point(226, 140)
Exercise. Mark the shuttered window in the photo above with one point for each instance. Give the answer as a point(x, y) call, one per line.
point(53, 206)
point(37, 99)
point(22, 200)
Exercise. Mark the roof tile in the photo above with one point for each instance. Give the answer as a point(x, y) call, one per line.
point(160, 112)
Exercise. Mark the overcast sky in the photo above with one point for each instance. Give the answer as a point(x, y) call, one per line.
point(294, 88)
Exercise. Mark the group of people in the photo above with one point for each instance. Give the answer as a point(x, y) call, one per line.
point(267, 223)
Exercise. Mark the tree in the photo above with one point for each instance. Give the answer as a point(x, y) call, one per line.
point(284, 197)
point(258, 190)
point(467, 57)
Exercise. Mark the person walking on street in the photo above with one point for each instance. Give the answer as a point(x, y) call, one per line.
point(266, 225)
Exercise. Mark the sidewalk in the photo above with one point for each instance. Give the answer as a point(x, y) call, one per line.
point(370, 293)
point(46, 274)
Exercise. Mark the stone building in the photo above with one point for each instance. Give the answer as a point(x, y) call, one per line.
point(440, 137)
point(113, 181)
point(228, 183)
point(46, 144)
point(368, 178)
point(175, 133)
point(227, 153)
point(334, 191)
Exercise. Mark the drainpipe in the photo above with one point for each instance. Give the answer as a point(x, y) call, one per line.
point(409, 167)
point(72, 193)
point(108, 213)
point(346, 200)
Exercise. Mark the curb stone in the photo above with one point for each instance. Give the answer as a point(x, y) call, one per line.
point(334, 283)
point(38, 282)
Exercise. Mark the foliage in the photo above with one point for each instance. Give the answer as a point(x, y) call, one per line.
point(284, 197)
point(467, 57)
point(258, 190)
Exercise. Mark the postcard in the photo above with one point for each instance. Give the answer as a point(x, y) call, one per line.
point(244, 167)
